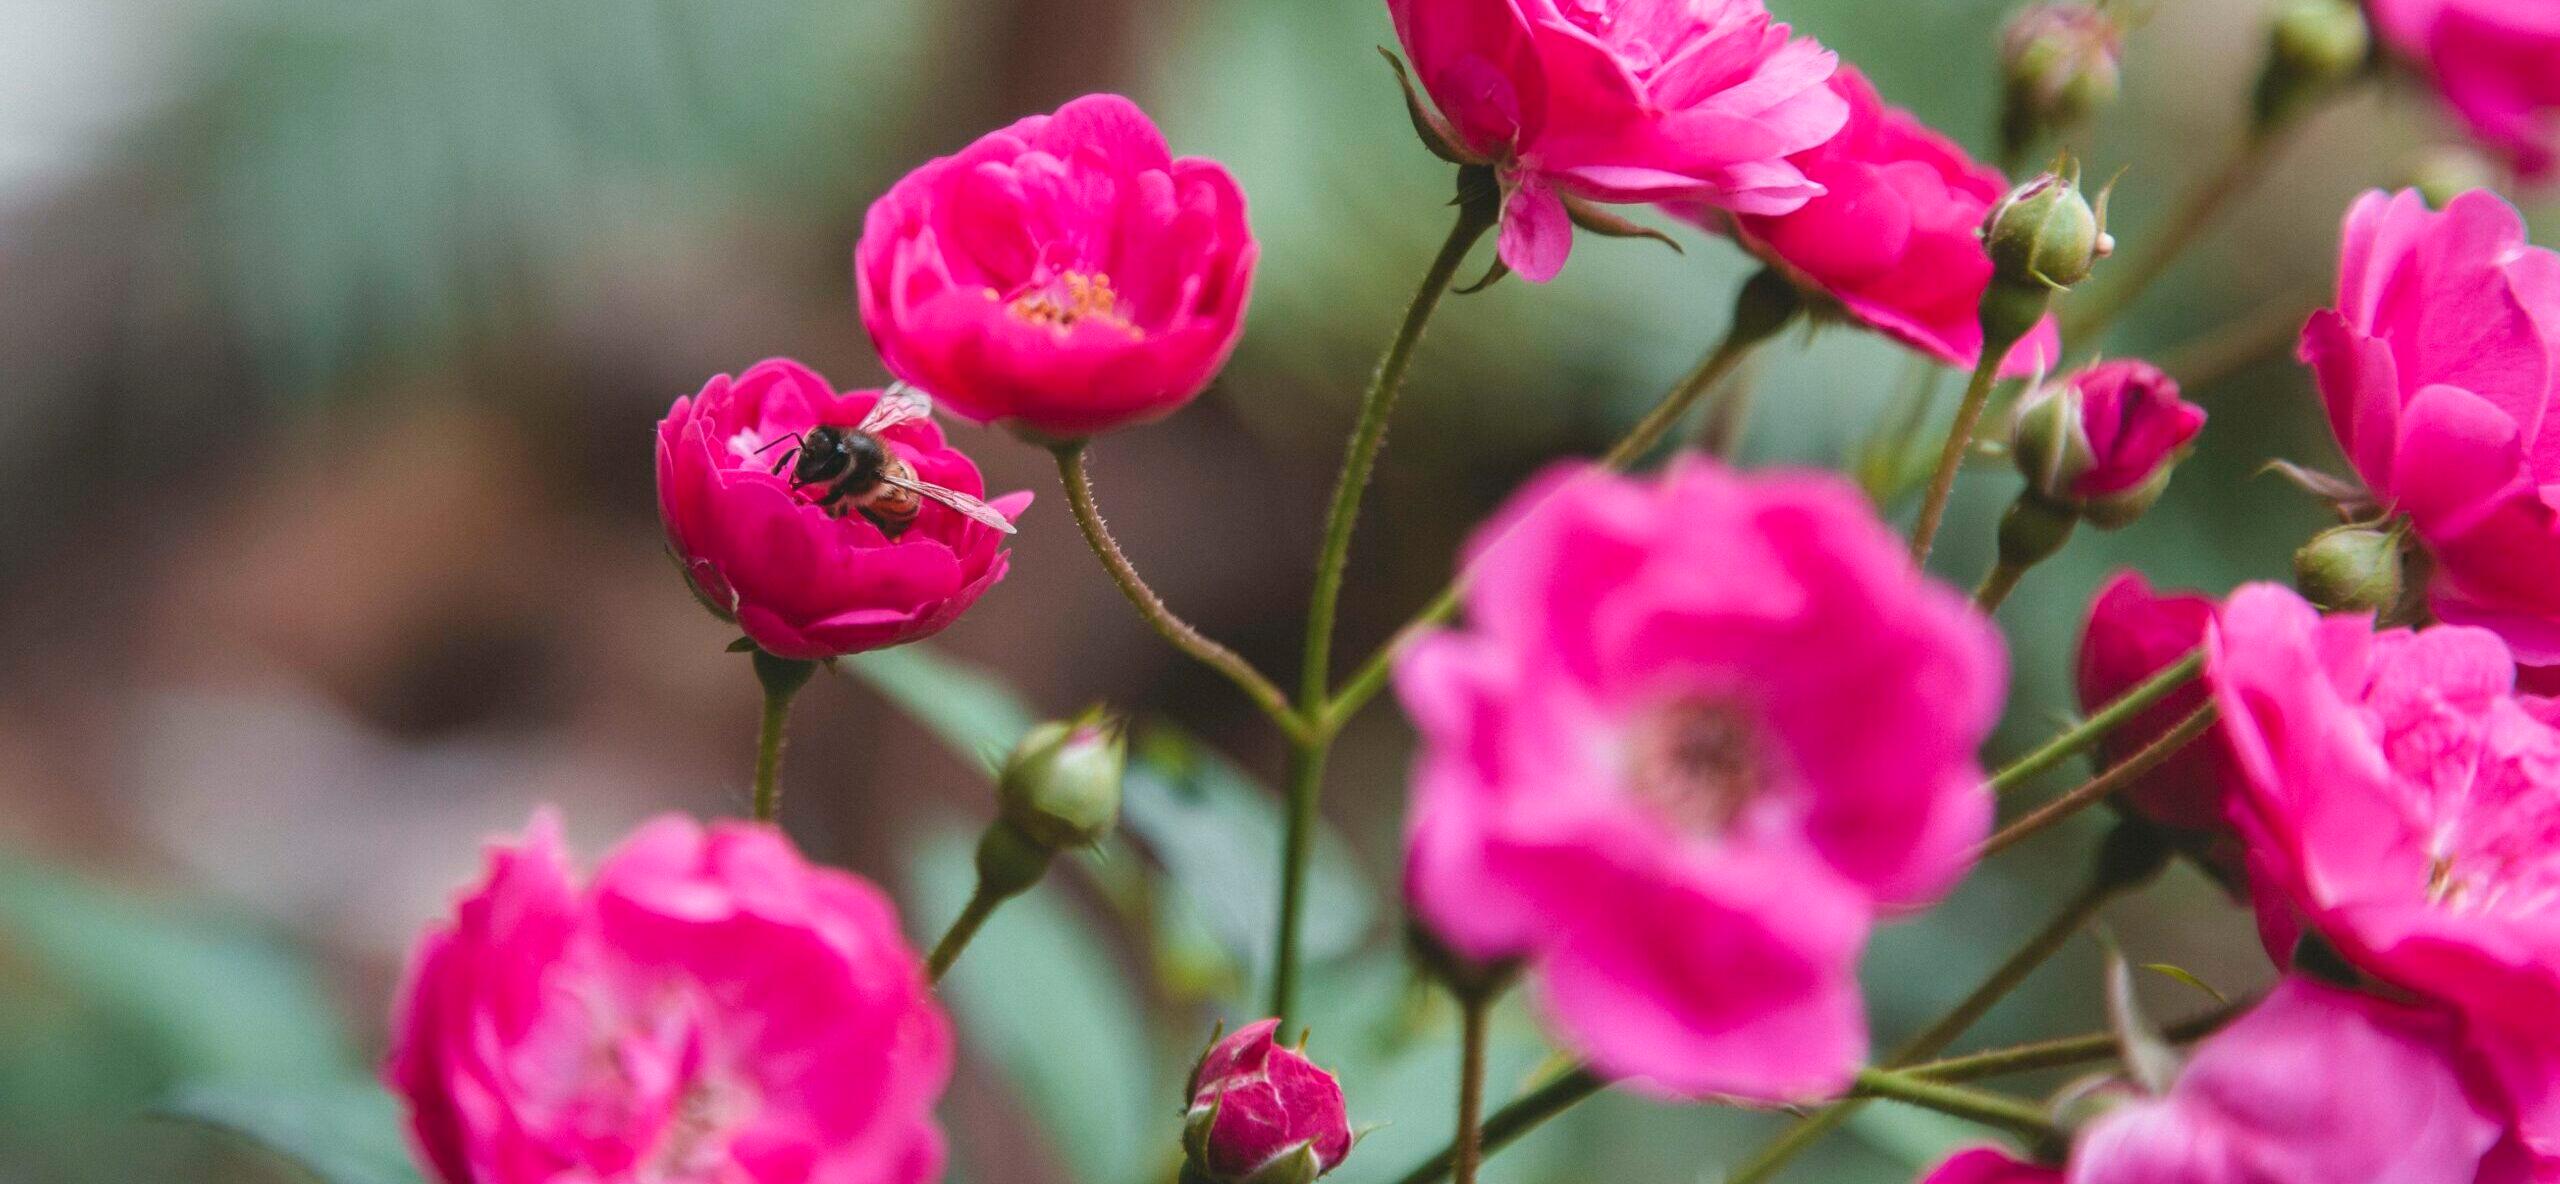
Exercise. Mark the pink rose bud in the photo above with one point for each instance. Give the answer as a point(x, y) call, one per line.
point(2103, 441)
point(1987, 1165)
point(1640, 783)
point(1895, 239)
point(706, 1006)
point(777, 537)
point(2439, 365)
point(2060, 62)
point(1064, 276)
point(1262, 1113)
point(2397, 801)
point(1574, 101)
point(2134, 633)
point(2495, 62)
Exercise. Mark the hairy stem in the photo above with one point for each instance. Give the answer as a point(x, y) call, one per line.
point(2067, 1052)
point(1972, 1105)
point(2106, 719)
point(1942, 483)
point(2097, 788)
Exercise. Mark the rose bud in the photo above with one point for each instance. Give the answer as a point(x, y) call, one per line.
point(2102, 442)
point(2313, 46)
point(1262, 1113)
point(1061, 785)
point(2352, 568)
point(1990, 1165)
point(1064, 276)
point(2045, 233)
point(2059, 60)
point(806, 567)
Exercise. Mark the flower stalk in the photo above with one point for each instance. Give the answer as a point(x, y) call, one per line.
point(782, 679)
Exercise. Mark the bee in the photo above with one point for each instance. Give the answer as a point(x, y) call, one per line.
point(861, 473)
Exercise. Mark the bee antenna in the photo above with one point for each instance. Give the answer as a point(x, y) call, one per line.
point(777, 442)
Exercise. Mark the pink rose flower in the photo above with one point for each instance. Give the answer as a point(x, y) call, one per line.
point(707, 1007)
point(801, 581)
point(2438, 367)
point(2402, 801)
point(2136, 425)
point(1255, 1101)
point(2497, 64)
point(1699, 101)
point(2132, 634)
point(2315, 1085)
point(1684, 797)
point(1064, 276)
point(1989, 1165)
point(1895, 236)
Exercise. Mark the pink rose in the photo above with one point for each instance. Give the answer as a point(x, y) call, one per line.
point(1988, 1165)
point(1700, 101)
point(2135, 423)
point(801, 581)
point(2402, 802)
point(2496, 62)
point(1256, 1102)
point(707, 1007)
point(2133, 634)
point(2315, 1085)
point(1700, 731)
point(1895, 236)
point(1064, 276)
point(2438, 367)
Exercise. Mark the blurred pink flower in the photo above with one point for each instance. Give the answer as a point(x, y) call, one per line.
point(1063, 276)
point(2497, 64)
point(1895, 238)
point(1255, 1101)
point(1988, 1165)
point(2316, 1085)
point(2132, 634)
point(801, 582)
point(1696, 101)
point(708, 1007)
point(2439, 366)
point(1700, 731)
point(2403, 802)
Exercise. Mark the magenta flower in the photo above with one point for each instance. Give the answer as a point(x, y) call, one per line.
point(1988, 1165)
point(1064, 276)
point(2497, 64)
point(708, 1006)
point(1700, 101)
point(2438, 367)
point(2399, 801)
point(2135, 423)
point(2316, 1085)
point(1895, 237)
point(1255, 1103)
point(2132, 634)
point(1700, 731)
point(801, 579)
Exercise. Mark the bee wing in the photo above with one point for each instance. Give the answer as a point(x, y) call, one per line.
point(977, 511)
point(899, 404)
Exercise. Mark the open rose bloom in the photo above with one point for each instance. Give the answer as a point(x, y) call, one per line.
point(799, 580)
point(1895, 237)
point(706, 1007)
point(1644, 782)
point(1691, 101)
point(2439, 366)
point(2497, 64)
point(1063, 276)
point(2402, 802)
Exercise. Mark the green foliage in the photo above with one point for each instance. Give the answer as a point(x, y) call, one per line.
point(341, 1133)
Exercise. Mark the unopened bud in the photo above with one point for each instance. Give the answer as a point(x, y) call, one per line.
point(2049, 439)
point(1262, 1113)
point(2352, 568)
point(2059, 61)
point(1061, 785)
point(2103, 441)
point(2313, 46)
point(2045, 233)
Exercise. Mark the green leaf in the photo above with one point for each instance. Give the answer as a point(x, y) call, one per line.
point(1038, 994)
point(346, 1133)
point(970, 710)
point(2184, 975)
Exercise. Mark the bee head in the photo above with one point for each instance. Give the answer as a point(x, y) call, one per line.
point(825, 453)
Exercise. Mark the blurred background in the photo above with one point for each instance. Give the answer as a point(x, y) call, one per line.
point(331, 335)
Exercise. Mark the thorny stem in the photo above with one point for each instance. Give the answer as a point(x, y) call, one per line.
point(2107, 719)
point(2097, 788)
point(1264, 693)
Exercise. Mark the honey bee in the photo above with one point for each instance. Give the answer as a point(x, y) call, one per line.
point(862, 474)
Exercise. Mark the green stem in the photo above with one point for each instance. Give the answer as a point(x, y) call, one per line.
point(1935, 1038)
point(1942, 484)
point(782, 679)
point(2107, 719)
point(1265, 694)
point(982, 905)
point(2097, 788)
point(1475, 1008)
point(1478, 210)
point(2066, 1052)
point(1677, 404)
point(1513, 1120)
point(1972, 1105)
point(1996, 585)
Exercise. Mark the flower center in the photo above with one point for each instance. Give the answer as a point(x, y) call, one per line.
point(1068, 299)
point(1696, 763)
